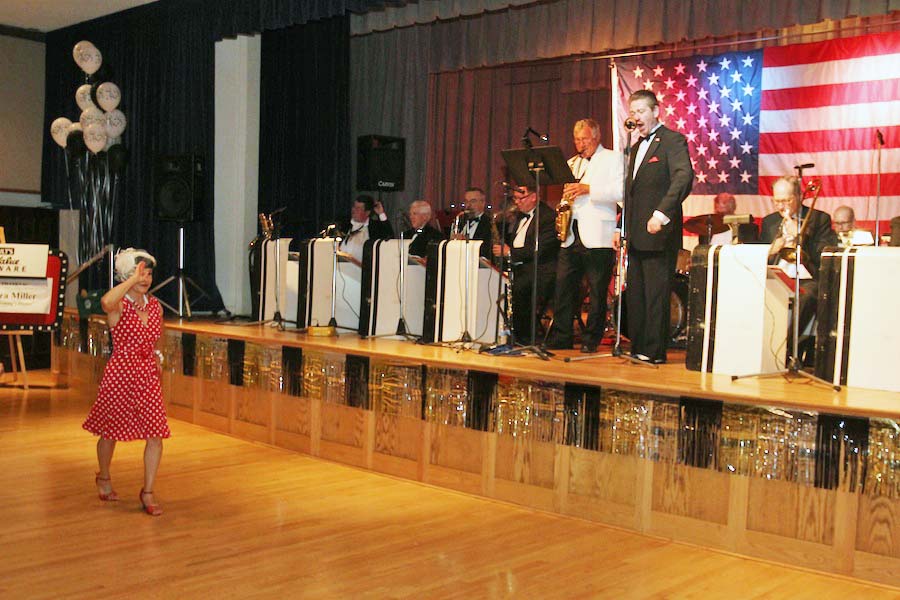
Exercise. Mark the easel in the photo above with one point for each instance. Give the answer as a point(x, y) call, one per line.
point(15, 344)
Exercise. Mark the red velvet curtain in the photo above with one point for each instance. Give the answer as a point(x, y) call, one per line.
point(476, 113)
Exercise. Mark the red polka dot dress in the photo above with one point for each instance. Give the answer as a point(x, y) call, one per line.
point(129, 402)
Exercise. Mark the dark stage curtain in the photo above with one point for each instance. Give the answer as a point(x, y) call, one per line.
point(476, 113)
point(162, 57)
point(304, 143)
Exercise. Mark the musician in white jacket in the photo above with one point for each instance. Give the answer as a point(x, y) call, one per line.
point(587, 249)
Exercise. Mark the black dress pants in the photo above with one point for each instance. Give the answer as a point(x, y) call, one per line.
point(647, 297)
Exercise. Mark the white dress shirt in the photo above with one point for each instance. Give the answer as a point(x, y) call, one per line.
point(522, 230)
point(642, 150)
point(356, 238)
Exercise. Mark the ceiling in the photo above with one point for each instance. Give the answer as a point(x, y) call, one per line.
point(47, 15)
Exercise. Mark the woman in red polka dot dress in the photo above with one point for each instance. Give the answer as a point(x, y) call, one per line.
point(129, 402)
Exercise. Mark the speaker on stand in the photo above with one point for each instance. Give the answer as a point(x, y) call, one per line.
point(178, 192)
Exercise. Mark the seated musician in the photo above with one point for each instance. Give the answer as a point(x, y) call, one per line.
point(368, 221)
point(726, 204)
point(780, 229)
point(844, 221)
point(421, 232)
point(519, 247)
point(477, 225)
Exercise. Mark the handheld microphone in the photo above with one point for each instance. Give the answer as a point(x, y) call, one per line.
point(805, 166)
point(504, 184)
point(879, 137)
point(630, 124)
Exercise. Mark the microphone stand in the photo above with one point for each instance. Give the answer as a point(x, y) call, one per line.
point(617, 351)
point(879, 143)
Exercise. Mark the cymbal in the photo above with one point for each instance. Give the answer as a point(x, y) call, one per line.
point(706, 224)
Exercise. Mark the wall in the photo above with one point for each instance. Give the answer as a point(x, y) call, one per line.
point(236, 165)
point(22, 116)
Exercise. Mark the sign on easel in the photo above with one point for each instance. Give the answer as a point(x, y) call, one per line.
point(32, 287)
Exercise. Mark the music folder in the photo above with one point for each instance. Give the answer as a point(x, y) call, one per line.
point(523, 165)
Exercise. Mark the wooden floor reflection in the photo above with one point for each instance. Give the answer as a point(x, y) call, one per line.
point(248, 520)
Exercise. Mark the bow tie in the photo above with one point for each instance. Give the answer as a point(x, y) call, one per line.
point(642, 139)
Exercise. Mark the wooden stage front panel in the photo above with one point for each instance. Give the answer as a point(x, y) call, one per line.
point(788, 472)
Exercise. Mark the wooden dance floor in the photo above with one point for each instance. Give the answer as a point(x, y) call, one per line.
point(245, 519)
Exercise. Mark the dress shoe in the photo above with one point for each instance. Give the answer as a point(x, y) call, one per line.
point(588, 348)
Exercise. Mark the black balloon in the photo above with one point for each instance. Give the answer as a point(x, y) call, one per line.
point(118, 158)
point(75, 144)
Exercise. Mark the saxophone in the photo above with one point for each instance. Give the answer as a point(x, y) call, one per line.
point(563, 218)
point(266, 223)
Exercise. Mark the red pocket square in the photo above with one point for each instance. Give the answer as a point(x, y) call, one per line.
point(653, 159)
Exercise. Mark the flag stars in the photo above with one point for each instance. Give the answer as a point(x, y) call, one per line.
point(701, 177)
point(679, 69)
point(702, 121)
point(669, 110)
point(648, 85)
point(746, 148)
point(703, 94)
point(747, 119)
point(638, 72)
point(725, 92)
point(735, 133)
point(701, 66)
point(691, 81)
point(713, 135)
point(713, 79)
point(691, 136)
point(723, 177)
point(735, 162)
point(691, 108)
point(736, 105)
point(748, 90)
point(681, 123)
point(748, 61)
point(712, 162)
point(723, 148)
point(725, 121)
point(701, 150)
point(670, 83)
point(680, 96)
point(736, 77)
point(714, 107)
point(745, 176)
point(658, 71)
point(725, 63)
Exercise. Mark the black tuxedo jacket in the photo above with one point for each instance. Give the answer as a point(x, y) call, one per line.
point(663, 181)
point(483, 233)
point(818, 234)
point(419, 246)
point(548, 246)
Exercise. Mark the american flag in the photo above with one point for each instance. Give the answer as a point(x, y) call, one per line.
point(751, 116)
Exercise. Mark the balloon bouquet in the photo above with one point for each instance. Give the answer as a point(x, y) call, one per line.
point(94, 155)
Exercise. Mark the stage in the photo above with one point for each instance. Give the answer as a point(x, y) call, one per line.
point(791, 472)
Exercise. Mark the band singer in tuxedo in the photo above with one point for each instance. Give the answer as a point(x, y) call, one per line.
point(658, 179)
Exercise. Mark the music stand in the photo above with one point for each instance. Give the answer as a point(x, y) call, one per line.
point(526, 165)
point(504, 267)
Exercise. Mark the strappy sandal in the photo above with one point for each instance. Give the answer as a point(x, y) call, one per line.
point(110, 496)
point(154, 510)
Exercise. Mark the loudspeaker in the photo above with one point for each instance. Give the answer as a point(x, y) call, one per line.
point(178, 187)
point(380, 163)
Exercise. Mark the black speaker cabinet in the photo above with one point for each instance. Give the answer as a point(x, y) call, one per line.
point(381, 163)
point(179, 187)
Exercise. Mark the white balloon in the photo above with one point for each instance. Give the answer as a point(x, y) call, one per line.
point(79, 49)
point(75, 127)
point(108, 95)
point(92, 115)
point(87, 57)
point(59, 130)
point(83, 97)
point(115, 123)
point(112, 141)
point(95, 137)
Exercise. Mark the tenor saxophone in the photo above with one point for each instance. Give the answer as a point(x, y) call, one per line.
point(563, 218)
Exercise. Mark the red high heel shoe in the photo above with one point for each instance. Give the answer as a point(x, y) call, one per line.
point(110, 496)
point(154, 510)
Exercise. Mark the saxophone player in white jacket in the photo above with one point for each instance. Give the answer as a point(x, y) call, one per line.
point(587, 249)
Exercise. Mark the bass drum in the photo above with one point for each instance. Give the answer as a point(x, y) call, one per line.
point(678, 313)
